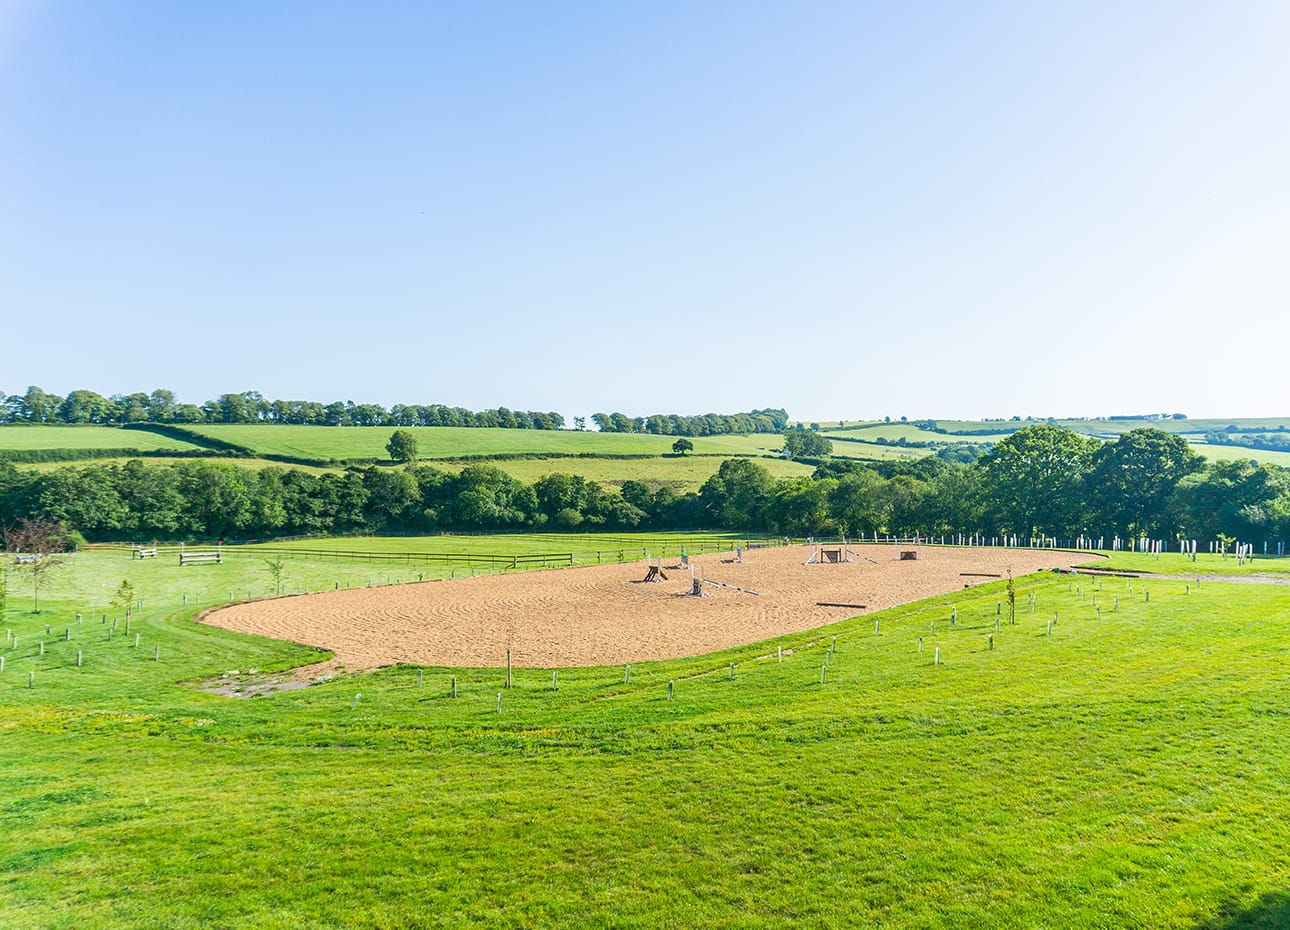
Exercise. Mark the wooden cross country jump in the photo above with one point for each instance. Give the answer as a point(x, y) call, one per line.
point(188, 558)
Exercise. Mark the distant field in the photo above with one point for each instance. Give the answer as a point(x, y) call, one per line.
point(684, 474)
point(446, 442)
point(1115, 427)
point(906, 431)
point(1239, 453)
point(889, 431)
point(253, 464)
point(873, 452)
point(85, 437)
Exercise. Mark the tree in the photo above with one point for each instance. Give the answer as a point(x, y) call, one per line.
point(804, 443)
point(1012, 598)
point(737, 496)
point(1035, 480)
point(402, 446)
point(39, 541)
point(276, 565)
point(682, 446)
point(1134, 477)
point(123, 599)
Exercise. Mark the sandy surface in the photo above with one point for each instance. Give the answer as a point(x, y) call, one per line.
point(605, 615)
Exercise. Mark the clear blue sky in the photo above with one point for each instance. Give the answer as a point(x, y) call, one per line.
point(846, 209)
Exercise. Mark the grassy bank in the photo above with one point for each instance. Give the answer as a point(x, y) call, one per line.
point(1121, 770)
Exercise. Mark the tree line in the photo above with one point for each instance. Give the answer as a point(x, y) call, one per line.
point(162, 406)
point(1042, 480)
point(769, 420)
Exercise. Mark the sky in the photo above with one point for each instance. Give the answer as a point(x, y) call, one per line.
point(848, 210)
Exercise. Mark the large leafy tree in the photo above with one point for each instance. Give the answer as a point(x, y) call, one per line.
point(402, 446)
point(1133, 478)
point(802, 507)
point(858, 502)
point(1035, 480)
point(1239, 499)
point(737, 495)
point(805, 443)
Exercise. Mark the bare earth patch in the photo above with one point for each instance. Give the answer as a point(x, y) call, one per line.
point(605, 615)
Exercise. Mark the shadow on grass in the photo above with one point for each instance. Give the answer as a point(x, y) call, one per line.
point(1270, 912)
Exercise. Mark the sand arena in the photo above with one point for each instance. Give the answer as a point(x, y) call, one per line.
point(606, 615)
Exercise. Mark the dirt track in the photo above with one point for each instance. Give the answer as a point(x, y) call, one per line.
point(605, 615)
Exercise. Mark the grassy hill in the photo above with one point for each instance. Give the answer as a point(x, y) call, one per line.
point(85, 438)
point(609, 458)
point(1121, 771)
point(449, 442)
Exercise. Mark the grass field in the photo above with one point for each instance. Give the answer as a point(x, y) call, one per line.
point(1115, 427)
point(446, 442)
point(1205, 564)
point(1217, 453)
point(906, 431)
point(253, 464)
point(875, 452)
point(85, 437)
point(684, 473)
point(323, 563)
point(1127, 771)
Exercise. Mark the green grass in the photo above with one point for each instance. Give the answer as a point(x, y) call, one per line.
point(1239, 453)
point(446, 442)
point(1113, 428)
point(253, 464)
point(889, 431)
point(324, 563)
point(875, 452)
point(1127, 771)
point(1205, 564)
point(684, 473)
point(85, 437)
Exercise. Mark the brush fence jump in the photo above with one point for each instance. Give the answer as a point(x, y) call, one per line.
point(193, 558)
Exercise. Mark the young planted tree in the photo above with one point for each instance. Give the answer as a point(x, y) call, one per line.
point(37, 542)
point(1012, 599)
point(276, 565)
point(123, 599)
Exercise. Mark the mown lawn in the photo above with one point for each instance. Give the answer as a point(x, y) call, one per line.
point(1122, 770)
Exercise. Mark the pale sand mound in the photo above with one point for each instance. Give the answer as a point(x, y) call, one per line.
point(604, 615)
